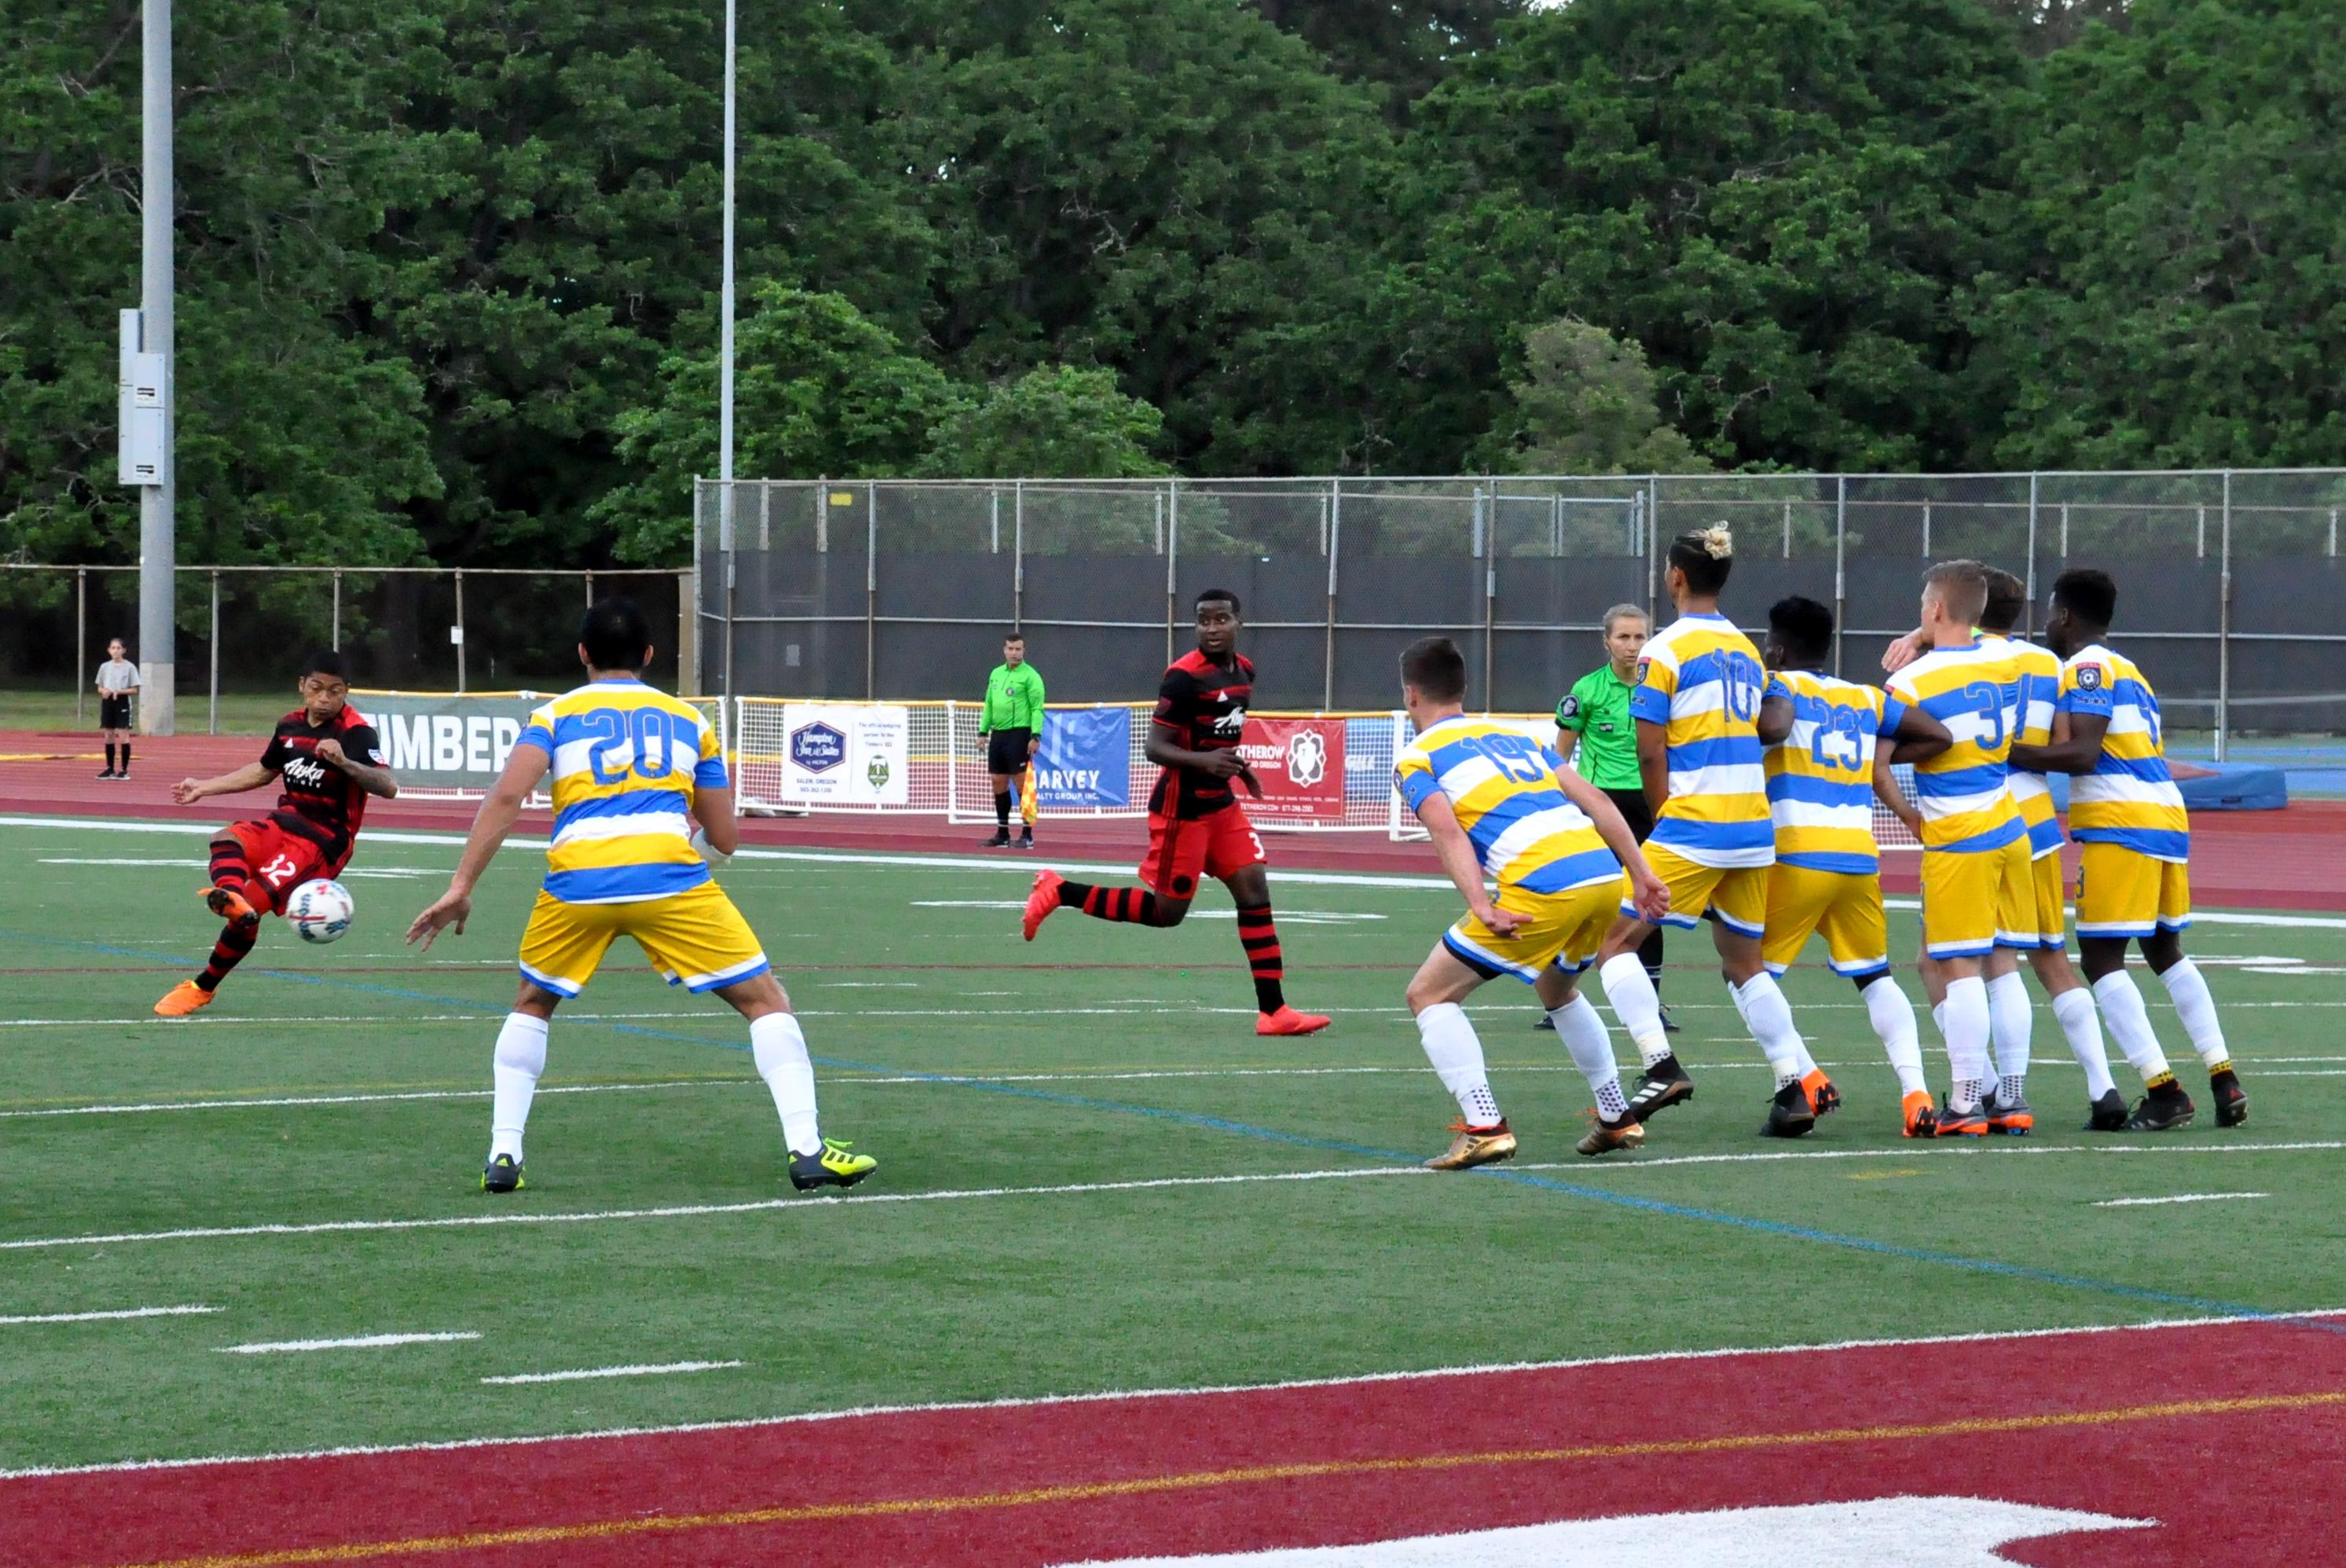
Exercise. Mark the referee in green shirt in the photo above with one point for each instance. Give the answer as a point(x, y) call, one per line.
point(1011, 726)
point(1596, 714)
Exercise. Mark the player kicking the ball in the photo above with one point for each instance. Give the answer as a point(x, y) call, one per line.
point(1195, 827)
point(628, 764)
point(328, 760)
point(1496, 802)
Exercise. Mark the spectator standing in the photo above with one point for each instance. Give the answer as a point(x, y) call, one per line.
point(1011, 727)
point(117, 683)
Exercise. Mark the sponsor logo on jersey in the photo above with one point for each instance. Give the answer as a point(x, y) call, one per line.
point(306, 771)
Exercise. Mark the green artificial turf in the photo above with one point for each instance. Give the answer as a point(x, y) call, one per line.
point(968, 1062)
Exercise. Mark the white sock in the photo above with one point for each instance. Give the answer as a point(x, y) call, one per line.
point(2129, 1022)
point(1583, 1034)
point(1892, 1016)
point(2009, 1022)
point(1965, 1021)
point(1769, 1018)
point(779, 1047)
point(1457, 1056)
point(1635, 1005)
point(515, 1069)
point(1939, 1018)
point(2073, 1011)
point(2188, 988)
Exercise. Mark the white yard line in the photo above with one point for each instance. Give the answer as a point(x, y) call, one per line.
point(2178, 1198)
point(111, 1316)
point(360, 1342)
point(151, 1107)
point(587, 1372)
point(1508, 1368)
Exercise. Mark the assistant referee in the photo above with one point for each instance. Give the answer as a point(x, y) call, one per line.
point(1596, 714)
point(1011, 726)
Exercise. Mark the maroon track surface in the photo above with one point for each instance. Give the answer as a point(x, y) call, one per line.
point(2289, 859)
point(2220, 1433)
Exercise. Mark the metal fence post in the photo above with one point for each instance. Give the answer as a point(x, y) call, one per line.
point(336, 644)
point(2064, 530)
point(687, 635)
point(766, 514)
point(460, 614)
point(1487, 525)
point(870, 585)
point(590, 590)
point(1926, 530)
point(1840, 552)
point(2028, 621)
point(1334, 520)
point(1172, 551)
point(2224, 627)
point(211, 722)
point(1788, 530)
point(994, 519)
point(81, 625)
point(1018, 555)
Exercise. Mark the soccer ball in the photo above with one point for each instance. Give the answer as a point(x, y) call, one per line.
point(320, 911)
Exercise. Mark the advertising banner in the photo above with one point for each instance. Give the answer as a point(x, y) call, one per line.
point(838, 755)
point(1085, 761)
point(439, 740)
point(1300, 763)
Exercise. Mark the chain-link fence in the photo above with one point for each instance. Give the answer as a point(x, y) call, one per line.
point(902, 589)
point(246, 629)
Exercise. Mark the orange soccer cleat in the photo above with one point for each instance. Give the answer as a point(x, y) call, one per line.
point(1287, 1021)
point(231, 907)
point(183, 999)
point(1823, 1098)
point(1040, 901)
point(1921, 1114)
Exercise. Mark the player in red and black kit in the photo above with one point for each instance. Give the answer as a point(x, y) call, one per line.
point(330, 761)
point(1196, 828)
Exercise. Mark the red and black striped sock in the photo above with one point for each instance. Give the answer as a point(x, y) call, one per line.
point(230, 868)
point(1259, 937)
point(1134, 906)
point(236, 940)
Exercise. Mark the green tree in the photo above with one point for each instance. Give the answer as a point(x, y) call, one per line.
point(1586, 405)
point(1055, 421)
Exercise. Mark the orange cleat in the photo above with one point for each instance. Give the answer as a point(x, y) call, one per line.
point(1954, 1124)
point(1922, 1114)
point(183, 999)
point(1287, 1021)
point(1823, 1098)
point(231, 907)
point(1040, 901)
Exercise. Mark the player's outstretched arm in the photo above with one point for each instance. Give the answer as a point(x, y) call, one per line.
point(373, 779)
point(1458, 857)
point(496, 819)
point(1647, 890)
point(1918, 738)
point(251, 776)
point(1775, 721)
point(2076, 748)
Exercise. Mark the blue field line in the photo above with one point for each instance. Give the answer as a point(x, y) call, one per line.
point(1333, 1146)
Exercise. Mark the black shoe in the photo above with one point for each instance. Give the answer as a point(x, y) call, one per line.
point(502, 1174)
point(1026, 841)
point(2231, 1100)
point(1665, 1083)
point(1669, 1025)
point(1001, 840)
point(1544, 1021)
point(2108, 1114)
point(108, 774)
point(1789, 1115)
point(2163, 1110)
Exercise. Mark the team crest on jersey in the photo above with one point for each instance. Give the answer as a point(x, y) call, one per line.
point(2090, 677)
point(1642, 665)
point(1570, 706)
point(1307, 759)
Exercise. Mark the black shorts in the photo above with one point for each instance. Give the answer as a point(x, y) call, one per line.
point(114, 712)
point(1005, 751)
point(1632, 806)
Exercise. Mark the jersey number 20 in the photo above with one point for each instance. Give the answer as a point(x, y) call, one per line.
point(649, 730)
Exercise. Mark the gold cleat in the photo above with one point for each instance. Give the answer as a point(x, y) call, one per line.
point(1475, 1146)
point(1605, 1137)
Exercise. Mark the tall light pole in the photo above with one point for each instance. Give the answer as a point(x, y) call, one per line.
point(725, 326)
point(158, 534)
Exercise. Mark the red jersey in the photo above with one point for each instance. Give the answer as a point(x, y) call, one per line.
point(1204, 705)
point(321, 802)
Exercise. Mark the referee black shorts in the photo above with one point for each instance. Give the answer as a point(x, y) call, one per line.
point(1633, 810)
point(114, 712)
point(1005, 751)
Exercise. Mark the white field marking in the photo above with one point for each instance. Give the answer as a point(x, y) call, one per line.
point(110, 1317)
point(150, 1107)
point(868, 984)
point(360, 1342)
point(1479, 1369)
point(2293, 967)
point(202, 865)
point(586, 1372)
point(1064, 1189)
point(2177, 1198)
point(1285, 917)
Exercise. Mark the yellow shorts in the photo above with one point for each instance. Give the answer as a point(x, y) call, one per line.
point(2037, 915)
point(1565, 928)
point(1739, 893)
point(2123, 893)
point(1842, 907)
point(1969, 898)
point(697, 939)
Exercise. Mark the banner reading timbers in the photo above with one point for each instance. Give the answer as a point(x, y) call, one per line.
point(442, 741)
point(1300, 763)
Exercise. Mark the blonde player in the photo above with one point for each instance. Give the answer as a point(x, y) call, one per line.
point(1822, 735)
point(1698, 707)
point(1975, 846)
point(628, 763)
point(1494, 800)
point(2133, 883)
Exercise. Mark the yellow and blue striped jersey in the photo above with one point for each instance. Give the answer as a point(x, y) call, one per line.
point(1821, 776)
point(2040, 688)
point(1963, 793)
point(1501, 785)
point(626, 759)
point(2129, 797)
point(1701, 680)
